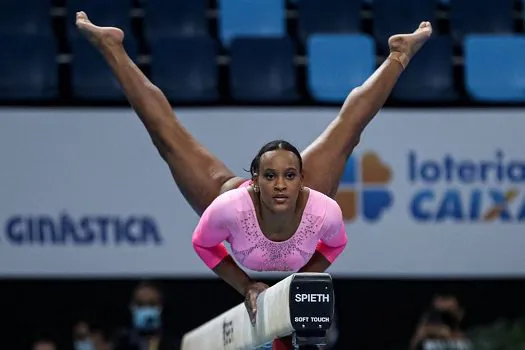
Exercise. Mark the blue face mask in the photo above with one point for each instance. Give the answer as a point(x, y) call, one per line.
point(84, 345)
point(146, 318)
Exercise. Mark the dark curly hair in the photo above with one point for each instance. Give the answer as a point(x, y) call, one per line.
point(272, 146)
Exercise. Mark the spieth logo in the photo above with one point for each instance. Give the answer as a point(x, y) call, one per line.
point(363, 189)
point(312, 298)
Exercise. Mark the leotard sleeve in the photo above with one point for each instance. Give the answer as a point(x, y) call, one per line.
point(212, 230)
point(334, 238)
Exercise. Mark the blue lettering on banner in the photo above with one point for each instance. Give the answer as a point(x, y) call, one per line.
point(85, 230)
point(465, 171)
point(475, 190)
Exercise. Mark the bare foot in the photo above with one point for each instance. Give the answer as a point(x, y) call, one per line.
point(404, 46)
point(98, 36)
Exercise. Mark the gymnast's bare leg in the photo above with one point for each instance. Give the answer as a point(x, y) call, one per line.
point(201, 177)
point(325, 158)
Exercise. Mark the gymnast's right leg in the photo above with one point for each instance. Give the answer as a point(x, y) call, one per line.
point(201, 177)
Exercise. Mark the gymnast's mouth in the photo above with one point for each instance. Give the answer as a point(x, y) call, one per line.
point(280, 198)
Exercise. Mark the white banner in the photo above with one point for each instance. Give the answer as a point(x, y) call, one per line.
point(427, 193)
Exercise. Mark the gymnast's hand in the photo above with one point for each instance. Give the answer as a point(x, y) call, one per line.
point(250, 298)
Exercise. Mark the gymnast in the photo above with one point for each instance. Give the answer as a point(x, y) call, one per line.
point(283, 218)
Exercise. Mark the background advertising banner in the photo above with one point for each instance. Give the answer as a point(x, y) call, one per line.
point(426, 193)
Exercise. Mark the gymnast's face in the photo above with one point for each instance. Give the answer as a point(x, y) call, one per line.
point(279, 180)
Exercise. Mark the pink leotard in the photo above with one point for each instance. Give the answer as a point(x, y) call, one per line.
point(232, 218)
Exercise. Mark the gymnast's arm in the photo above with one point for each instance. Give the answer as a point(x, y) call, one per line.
point(208, 240)
point(331, 244)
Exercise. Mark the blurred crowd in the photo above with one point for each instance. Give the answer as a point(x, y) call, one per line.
point(145, 333)
point(439, 327)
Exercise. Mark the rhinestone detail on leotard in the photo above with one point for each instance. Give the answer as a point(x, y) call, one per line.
point(274, 254)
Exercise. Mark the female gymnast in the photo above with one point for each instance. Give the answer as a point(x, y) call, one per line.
point(274, 218)
point(272, 222)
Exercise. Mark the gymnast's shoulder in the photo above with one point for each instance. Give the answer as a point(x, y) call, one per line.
point(227, 204)
point(323, 205)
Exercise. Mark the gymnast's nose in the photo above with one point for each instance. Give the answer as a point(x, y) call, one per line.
point(280, 184)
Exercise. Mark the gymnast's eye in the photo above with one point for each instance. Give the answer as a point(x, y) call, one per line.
point(269, 175)
point(290, 175)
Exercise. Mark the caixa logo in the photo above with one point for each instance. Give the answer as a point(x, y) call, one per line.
point(65, 229)
point(364, 189)
point(461, 189)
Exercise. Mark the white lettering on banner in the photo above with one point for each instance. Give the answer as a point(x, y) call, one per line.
point(311, 319)
point(86, 230)
point(312, 298)
point(450, 187)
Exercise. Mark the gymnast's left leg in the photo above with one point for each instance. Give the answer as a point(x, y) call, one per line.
point(325, 158)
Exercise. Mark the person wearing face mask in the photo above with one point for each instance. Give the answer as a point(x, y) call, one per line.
point(82, 336)
point(44, 344)
point(100, 340)
point(88, 337)
point(440, 326)
point(146, 332)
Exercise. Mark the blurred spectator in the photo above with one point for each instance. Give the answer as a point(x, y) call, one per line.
point(44, 344)
point(100, 339)
point(82, 337)
point(440, 326)
point(146, 332)
point(86, 337)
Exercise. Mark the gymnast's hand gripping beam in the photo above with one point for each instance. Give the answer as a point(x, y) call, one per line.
point(302, 303)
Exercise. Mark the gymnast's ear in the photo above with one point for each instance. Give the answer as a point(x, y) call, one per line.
point(255, 182)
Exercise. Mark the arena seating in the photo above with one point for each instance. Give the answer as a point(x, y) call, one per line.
point(499, 75)
point(264, 51)
point(338, 63)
